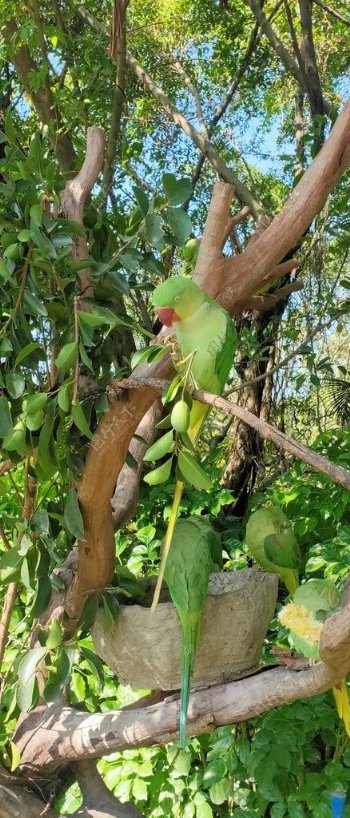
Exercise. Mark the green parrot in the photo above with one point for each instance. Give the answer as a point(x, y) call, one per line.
point(273, 545)
point(194, 553)
point(207, 343)
point(304, 616)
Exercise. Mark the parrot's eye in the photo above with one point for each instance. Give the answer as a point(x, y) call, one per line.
point(177, 298)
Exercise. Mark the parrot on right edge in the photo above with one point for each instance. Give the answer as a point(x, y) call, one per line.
point(194, 553)
point(273, 545)
point(304, 618)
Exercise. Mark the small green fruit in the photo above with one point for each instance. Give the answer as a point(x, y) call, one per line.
point(180, 416)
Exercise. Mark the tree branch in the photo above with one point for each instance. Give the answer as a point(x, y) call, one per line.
point(75, 195)
point(117, 106)
point(333, 13)
point(42, 98)
point(287, 60)
point(98, 801)
point(286, 229)
point(318, 462)
point(48, 737)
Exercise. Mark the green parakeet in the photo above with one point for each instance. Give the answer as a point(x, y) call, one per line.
point(190, 561)
point(203, 330)
point(206, 340)
point(273, 545)
point(304, 617)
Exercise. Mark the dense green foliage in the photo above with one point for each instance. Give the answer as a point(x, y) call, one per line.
point(60, 346)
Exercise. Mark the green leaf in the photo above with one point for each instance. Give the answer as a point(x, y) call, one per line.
point(64, 397)
point(140, 355)
point(177, 191)
point(35, 421)
point(15, 756)
point(27, 695)
point(193, 472)
point(33, 403)
point(27, 350)
point(15, 384)
point(55, 635)
point(15, 441)
point(139, 789)
point(24, 236)
point(220, 792)
point(118, 280)
point(47, 460)
point(154, 230)
point(32, 305)
point(72, 515)
point(172, 390)
point(162, 446)
point(89, 612)
point(204, 810)
point(29, 664)
point(41, 598)
point(111, 609)
point(94, 319)
point(10, 565)
point(159, 475)
point(67, 357)
point(40, 521)
point(180, 223)
point(94, 662)
point(141, 199)
point(80, 420)
point(5, 417)
point(183, 762)
point(10, 130)
point(131, 259)
point(36, 214)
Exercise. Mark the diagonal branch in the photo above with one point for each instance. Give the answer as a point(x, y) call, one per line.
point(50, 736)
point(334, 14)
point(268, 432)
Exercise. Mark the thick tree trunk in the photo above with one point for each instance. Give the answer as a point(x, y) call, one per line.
point(247, 450)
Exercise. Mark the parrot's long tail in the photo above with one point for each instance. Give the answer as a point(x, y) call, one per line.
point(340, 693)
point(291, 581)
point(167, 542)
point(190, 633)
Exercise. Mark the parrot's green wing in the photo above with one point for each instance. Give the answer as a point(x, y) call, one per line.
point(306, 649)
point(318, 595)
point(214, 540)
point(282, 548)
point(224, 353)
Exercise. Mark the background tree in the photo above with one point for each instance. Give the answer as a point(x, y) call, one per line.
point(245, 92)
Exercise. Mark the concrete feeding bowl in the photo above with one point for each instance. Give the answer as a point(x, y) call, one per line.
point(143, 648)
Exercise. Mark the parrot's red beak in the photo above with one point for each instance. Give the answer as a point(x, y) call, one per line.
point(167, 316)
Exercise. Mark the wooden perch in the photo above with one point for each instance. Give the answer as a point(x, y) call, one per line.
point(268, 432)
point(52, 736)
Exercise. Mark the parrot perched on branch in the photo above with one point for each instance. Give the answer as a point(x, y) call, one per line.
point(304, 617)
point(195, 552)
point(273, 545)
point(206, 340)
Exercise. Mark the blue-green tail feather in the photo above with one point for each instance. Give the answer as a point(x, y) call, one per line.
point(190, 632)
